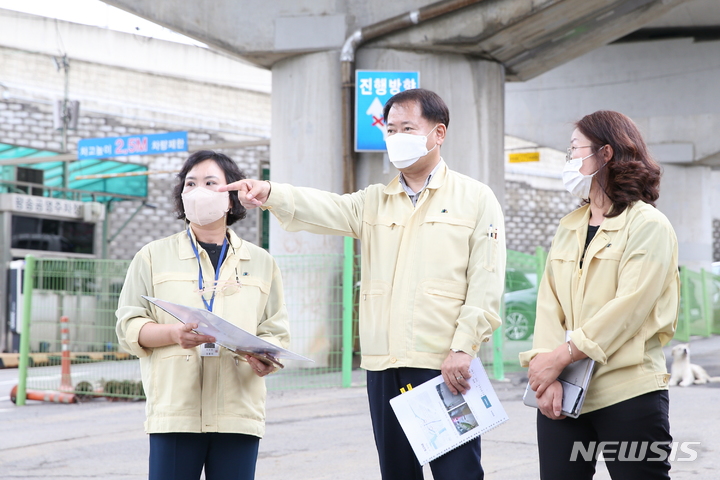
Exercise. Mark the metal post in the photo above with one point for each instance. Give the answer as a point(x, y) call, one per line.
point(106, 227)
point(65, 120)
point(498, 365)
point(25, 333)
point(541, 257)
point(707, 308)
point(683, 329)
point(347, 299)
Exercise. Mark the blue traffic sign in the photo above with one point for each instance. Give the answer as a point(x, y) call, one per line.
point(150, 144)
point(372, 89)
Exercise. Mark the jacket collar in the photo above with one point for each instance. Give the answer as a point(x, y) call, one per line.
point(394, 187)
point(185, 249)
point(580, 218)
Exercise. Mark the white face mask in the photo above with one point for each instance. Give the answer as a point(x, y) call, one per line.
point(404, 149)
point(574, 181)
point(203, 206)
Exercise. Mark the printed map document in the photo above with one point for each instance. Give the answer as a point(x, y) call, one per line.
point(226, 334)
point(435, 421)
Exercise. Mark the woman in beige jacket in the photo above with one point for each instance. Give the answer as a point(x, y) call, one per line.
point(205, 404)
point(611, 280)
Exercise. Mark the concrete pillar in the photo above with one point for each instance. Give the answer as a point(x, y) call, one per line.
point(474, 92)
point(306, 147)
point(685, 198)
point(306, 150)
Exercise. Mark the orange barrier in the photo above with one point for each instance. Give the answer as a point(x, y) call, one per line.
point(65, 377)
point(45, 396)
point(11, 360)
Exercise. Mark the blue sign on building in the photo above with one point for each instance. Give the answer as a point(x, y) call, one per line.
point(372, 89)
point(151, 144)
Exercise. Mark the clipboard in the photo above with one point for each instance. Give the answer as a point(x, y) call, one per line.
point(226, 334)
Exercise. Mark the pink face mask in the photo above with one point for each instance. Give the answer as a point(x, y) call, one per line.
point(203, 206)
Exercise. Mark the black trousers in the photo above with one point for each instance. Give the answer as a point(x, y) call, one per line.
point(397, 460)
point(182, 456)
point(638, 435)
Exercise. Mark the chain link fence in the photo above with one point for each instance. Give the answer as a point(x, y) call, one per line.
point(321, 293)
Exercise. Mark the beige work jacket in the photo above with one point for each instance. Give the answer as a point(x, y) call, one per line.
point(187, 392)
point(622, 305)
point(431, 275)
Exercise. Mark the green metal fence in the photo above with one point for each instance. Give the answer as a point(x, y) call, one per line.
point(321, 292)
point(86, 292)
point(518, 310)
point(699, 304)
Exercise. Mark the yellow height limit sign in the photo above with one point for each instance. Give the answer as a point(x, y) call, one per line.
point(524, 157)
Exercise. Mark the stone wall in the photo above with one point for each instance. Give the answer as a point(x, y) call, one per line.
point(532, 215)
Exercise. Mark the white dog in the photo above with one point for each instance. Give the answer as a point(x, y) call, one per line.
point(683, 372)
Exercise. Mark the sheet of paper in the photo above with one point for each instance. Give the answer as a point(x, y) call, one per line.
point(226, 334)
point(435, 421)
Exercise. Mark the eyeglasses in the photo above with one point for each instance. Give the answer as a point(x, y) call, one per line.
point(225, 288)
point(228, 287)
point(570, 151)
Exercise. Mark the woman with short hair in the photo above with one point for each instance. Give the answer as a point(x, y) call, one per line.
point(205, 404)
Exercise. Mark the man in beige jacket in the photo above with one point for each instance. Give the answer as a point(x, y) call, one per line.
point(432, 273)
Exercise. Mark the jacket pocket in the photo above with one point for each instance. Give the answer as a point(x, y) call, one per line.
point(245, 306)
point(491, 254)
point(382, 237)
point(375, 314)
point(445, 246)
point(562, 256)
point(168, 286)
point(437, 308)
point(176, 380)
point(606, 254)
point(243, 392)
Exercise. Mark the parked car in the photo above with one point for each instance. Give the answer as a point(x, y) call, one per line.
point(520, 302)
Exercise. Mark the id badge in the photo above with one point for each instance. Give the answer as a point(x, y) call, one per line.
point(210, 350)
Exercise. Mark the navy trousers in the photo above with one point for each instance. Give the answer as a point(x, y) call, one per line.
point(397, 460)
point(631, 426)
point(182, 456)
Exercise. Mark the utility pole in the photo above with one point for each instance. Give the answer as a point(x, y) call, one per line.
point(64, 64)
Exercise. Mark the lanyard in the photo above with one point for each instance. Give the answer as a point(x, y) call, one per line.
point(208, 306)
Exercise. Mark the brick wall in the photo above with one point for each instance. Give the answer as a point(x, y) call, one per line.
point(153, 223)
point(30, 124)
point(532, 215)
point(119, 101)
